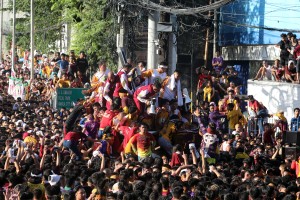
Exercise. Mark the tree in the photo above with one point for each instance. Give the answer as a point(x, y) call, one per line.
point(48, 25)
point(92, 22)
point(93, 28)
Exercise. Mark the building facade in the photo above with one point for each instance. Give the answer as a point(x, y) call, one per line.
point(249, 30)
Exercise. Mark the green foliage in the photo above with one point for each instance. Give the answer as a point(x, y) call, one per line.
point(8, 41)
point(92, 21)
point(47, 24)
point(93, 29)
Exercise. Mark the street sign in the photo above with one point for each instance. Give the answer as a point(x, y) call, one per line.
point(67, 97)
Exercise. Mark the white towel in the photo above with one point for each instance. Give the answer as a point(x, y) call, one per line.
point(179, 93)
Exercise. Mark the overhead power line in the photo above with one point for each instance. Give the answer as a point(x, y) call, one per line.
point(234, 24)
point(184, 11)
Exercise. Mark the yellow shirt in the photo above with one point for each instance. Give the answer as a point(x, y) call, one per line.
point(64, 84)
point(147, 73)
point(168, 130)
point(280, 116)
point(232, 101)
point(161, 117)
point(128, 148)
point(234, 118)
point(47, 71)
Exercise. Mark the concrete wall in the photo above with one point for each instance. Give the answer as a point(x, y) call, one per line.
point(251, 52)
point(276, 96)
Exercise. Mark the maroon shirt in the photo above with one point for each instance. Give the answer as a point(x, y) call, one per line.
point(268, 136)
point(74, 136)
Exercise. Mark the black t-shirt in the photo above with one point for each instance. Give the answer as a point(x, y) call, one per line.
point(236, 80)
point(55, 59)
point(293, 70)
point(82, 65)
point(284, 46)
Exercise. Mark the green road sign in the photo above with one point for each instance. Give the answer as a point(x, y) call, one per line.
point(66, 97)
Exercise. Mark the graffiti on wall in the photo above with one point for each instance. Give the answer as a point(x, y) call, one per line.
point(247, 53)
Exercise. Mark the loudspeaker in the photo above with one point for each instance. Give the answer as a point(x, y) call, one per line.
point(291, 153)
point(290, 137)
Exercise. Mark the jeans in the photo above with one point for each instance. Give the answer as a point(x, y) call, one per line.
point(165, 144)
point(262, 115)
point(254, 123)
point(260, 126)
point(72, 145)
point(100, 133)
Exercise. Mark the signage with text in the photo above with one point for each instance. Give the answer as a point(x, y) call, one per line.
point(67, 97)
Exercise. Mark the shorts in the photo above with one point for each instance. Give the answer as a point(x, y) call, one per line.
point(284, 60)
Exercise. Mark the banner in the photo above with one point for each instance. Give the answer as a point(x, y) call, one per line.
point(16, 88)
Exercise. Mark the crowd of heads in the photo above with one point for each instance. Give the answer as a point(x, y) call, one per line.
point(137, 135)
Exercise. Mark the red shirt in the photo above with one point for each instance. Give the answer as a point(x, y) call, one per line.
point(255, 105)
point(146, 90)
point(143, 143)
point(297, 52)
point(289, 71)
point(296, 166)
point(127, 132)
point(106, 119)
point(74, 136)
point(112, 86)
point(118, 85)
point(202, 78)
point(268, 136)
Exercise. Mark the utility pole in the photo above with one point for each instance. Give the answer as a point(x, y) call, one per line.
point(206, 40)
point(13, 50)
point(120, 45)
point(60, 39)
point(192, 67)
point(172, 47)
point(152, 38)
point(121, 36)
point(215, 30)
point(32, 39)
point(1, 31)
point(68, 36)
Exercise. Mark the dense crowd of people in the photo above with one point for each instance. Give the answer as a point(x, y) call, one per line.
point(136, 135)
